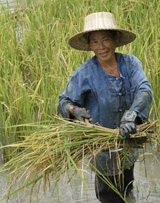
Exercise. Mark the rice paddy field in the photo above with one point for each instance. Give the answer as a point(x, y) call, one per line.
point(36, 62)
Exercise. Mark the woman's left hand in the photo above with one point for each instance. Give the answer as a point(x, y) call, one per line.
point(128, 125)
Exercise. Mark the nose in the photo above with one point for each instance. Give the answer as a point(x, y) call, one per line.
point(101, 45)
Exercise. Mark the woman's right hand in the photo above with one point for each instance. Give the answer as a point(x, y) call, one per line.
point(79, 113)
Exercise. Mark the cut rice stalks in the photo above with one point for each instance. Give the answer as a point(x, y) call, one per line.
point(55, 148)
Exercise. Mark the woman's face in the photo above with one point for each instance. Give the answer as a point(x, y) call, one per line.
point(102, 44)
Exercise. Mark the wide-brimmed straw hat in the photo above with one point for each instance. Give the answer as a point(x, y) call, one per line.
point(96, 22)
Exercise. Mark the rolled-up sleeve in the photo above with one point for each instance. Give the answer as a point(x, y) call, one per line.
point(140, 85)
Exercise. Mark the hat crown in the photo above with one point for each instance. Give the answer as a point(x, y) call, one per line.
point(99, 21)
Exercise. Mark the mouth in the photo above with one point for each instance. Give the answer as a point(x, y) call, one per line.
point(104, 53)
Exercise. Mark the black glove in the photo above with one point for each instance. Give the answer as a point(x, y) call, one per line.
point(79, 113)
point(128, 125)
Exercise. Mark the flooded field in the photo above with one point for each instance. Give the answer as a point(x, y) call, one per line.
point(146, 184)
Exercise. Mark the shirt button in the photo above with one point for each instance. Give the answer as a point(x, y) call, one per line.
point(119, 93)
point(120, 110)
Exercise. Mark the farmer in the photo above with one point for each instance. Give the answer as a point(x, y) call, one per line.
point(110, 89)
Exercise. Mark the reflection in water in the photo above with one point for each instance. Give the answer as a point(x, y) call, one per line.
point(146, 184)
point(147, 175)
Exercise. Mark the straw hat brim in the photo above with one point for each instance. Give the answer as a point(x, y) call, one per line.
point(80, 42)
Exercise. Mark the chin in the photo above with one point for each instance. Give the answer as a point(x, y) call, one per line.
point(107, 58)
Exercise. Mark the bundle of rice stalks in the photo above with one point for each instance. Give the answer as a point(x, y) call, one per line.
point(55, 148)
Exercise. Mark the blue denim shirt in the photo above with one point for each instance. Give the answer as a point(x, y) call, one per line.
point(106, 96)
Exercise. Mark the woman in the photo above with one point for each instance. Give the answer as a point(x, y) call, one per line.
point(110, 89)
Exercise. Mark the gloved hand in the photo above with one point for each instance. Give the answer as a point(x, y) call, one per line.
point(79, 113)
point(128, 125)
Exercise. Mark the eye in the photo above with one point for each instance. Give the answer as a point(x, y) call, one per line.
point(94, 41)
point(106, 40)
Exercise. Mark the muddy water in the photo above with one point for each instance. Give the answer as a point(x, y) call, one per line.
point(146, 184)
